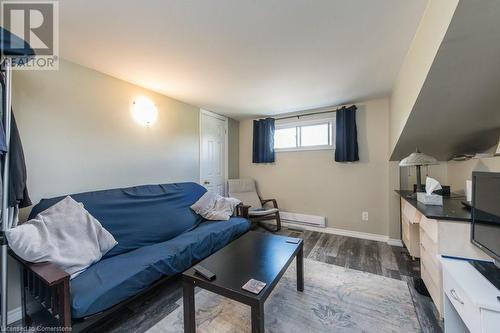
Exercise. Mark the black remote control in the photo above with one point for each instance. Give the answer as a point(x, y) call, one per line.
point(204, 272)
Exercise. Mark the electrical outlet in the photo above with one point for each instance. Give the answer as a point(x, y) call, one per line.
point(364, 216)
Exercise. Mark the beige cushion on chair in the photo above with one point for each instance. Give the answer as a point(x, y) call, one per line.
point(262, 212)
point(245, 191)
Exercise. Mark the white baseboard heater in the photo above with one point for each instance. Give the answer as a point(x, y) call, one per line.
point(303, 219)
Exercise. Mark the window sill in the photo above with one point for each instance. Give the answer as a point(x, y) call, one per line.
point(286, 150)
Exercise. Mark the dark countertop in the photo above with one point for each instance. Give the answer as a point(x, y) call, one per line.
point(452, 208)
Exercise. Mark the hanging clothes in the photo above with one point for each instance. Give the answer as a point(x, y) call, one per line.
point(3, 142)
point(18, 191)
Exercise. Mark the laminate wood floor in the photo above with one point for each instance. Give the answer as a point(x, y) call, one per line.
point(365, 255)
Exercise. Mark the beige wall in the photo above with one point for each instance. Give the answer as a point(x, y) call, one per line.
point(417, 63)
point(459, 172)
point(438, 172)
point(455, 173)
point(78, 135)
point(311, 182)
point(233, 149)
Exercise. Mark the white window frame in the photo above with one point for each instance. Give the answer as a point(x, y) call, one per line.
point(308, 122)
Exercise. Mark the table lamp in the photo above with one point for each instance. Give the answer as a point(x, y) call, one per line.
point(418, 159)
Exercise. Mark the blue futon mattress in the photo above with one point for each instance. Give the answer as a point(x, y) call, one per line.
point(114, 279)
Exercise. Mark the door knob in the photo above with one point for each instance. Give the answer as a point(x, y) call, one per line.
point(206, 182)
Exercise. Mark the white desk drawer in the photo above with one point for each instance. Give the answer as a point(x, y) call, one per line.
point(410, 212)
point(465, 308)
point(490, 321)
point(406, 238)
point(428, 244)
point(434, 290)
point(432, 265)
point(418, 217)
point(471, 303)
point(405, 224)
point(411, 237)
point(430, 227)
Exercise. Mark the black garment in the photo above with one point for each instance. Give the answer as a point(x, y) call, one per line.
point(346, 138)
point(18, 191)
point(263, 141)
point(3, 142)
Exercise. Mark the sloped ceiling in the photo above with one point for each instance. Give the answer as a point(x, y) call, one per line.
point(244, 58)
point(458, 108)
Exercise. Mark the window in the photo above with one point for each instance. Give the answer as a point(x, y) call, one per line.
point(305, 135)
point(285, 137)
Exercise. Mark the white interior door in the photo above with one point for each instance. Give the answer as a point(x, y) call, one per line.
point(213, 151)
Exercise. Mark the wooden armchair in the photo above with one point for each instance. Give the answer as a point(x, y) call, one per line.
point(252, 206)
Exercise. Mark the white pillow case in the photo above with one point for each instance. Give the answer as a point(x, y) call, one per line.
point(64, 234)
point(212, 206)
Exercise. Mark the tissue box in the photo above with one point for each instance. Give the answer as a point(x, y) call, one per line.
point(430, 199)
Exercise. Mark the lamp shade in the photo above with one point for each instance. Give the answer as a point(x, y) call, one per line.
point(144, 111)
point(418, 158)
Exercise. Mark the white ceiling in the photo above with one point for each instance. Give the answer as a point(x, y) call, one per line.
point(245, 57)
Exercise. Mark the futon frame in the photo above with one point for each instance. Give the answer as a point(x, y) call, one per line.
point(45, 292)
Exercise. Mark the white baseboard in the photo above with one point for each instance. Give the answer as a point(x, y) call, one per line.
point(395, 242)
point(348, 233)
point(14, 315)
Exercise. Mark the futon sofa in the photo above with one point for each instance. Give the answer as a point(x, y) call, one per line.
point(158, 237)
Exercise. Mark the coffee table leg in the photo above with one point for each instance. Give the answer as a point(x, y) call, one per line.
point(189, 307)
point(258, 318)
point(300, 269)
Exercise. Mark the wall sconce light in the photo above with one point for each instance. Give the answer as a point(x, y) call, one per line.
point(144, 111)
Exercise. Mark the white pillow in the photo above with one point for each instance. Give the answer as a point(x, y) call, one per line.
point(64, 234)
point(212, 206)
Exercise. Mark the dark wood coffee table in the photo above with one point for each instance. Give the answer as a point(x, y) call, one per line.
point(255, 255)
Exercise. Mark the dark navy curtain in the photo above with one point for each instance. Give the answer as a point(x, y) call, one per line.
point(346, 145)
point(263, 141)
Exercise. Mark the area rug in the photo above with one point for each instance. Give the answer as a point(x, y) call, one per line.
point(335, 299)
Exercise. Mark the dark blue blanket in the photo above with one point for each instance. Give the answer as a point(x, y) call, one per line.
point(158, 235)
point(115, 279)
point(142, 215)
